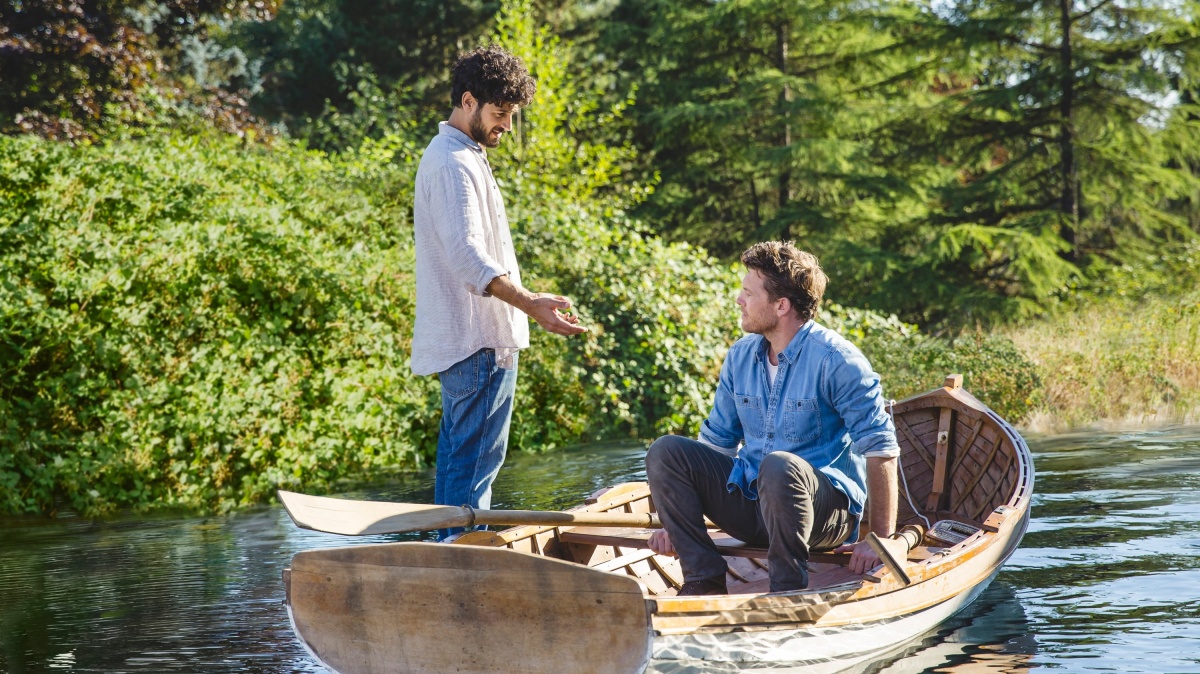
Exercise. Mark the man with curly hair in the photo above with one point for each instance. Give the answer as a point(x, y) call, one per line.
point(817, 447)
point(471, 307)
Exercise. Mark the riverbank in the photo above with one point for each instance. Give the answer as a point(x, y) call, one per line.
point(1115, 364)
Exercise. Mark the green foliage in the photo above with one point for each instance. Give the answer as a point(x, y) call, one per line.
point(762, 116)
point(963, 163)
point(189, 320)
point(335, 71)
point(186, 323)
point(909, 362)
point(1055, 144)
point(551, 158)
point(70, 67)
point(183, 322)
point(662, 318)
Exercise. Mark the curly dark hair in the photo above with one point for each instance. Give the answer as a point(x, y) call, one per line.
point(789, 272)
point(492, 75)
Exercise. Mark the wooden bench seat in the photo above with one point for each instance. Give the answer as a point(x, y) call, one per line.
point(728, 545)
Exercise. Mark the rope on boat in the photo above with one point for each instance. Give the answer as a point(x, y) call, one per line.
point(900, 469)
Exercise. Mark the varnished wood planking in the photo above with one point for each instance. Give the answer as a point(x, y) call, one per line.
point(345, 603)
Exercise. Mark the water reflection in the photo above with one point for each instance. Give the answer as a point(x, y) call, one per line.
point(993, 635)
point(1108, 577)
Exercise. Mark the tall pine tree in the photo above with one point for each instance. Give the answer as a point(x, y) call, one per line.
point(760, 116)
point(1067, 136)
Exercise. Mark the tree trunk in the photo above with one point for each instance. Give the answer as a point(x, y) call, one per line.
point(1068, 169)
point(785, 97)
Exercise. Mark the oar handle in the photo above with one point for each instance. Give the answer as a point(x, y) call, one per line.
point(556, 518)
point(894, 565)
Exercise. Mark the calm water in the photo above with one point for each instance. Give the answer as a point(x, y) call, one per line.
point(1107, 580)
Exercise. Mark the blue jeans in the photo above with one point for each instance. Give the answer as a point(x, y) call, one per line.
point(477, 403)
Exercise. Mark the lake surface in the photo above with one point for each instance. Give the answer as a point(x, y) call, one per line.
point(1107, 579)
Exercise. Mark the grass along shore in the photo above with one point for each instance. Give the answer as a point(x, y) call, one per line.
point(1115, 363)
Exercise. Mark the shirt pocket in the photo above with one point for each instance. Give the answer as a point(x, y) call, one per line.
point(801, 419)
point(749, 411)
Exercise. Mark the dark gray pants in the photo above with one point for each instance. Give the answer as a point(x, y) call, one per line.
point(798, 509)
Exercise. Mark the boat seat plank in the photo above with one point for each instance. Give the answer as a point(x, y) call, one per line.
point(728, 545)
point(833, 576)
point(624, 560)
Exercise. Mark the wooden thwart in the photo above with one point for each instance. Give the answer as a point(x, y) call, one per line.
point(728, 545)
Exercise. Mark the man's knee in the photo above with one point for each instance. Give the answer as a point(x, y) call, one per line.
point(663, 452)
point(786, 471)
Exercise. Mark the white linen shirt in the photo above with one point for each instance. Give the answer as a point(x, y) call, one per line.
point(462, 242)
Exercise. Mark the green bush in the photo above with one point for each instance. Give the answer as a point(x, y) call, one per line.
point(662, 316)
point(185, 322)
point(993, 368)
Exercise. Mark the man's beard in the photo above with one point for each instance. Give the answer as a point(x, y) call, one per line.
point(479, 133)
point(759, 325)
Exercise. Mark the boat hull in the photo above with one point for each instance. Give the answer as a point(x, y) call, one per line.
point(580, 598)
point(838, 642)
point(806, 650)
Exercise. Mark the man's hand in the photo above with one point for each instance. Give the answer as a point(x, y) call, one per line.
point(660, 543)
point(863, 558)
point(552, 312)
point(881, 499)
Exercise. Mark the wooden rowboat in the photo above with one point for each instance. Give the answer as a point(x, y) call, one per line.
point(588, 596)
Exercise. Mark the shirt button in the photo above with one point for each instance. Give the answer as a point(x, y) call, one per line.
point(770, 436)
point(745, 400)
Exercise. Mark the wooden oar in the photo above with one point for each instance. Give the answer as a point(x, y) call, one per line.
point(360, 518)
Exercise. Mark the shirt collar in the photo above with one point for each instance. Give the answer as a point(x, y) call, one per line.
point(445, 129)
point(793, 348)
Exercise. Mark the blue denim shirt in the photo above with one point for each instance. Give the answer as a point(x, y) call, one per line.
point(826, 406)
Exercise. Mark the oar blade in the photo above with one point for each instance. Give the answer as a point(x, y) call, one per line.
point(432, 608)
point(361, 518)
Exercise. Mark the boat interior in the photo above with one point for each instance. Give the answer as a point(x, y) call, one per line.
point(959, 471)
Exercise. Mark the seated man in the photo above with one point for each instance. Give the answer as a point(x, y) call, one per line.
point(817, 443)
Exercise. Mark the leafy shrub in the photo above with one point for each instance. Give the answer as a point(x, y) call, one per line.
point(186, 323)
point(189, 322)
point(993, 368)
point(662, 317)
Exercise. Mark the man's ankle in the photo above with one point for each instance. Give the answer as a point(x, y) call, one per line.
point(695, 588)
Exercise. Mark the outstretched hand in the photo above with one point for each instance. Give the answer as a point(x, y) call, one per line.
point(552, 312)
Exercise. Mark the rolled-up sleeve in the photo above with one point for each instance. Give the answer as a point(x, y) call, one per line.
point(857, 395)
point(722, 429)
point(458, 223)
